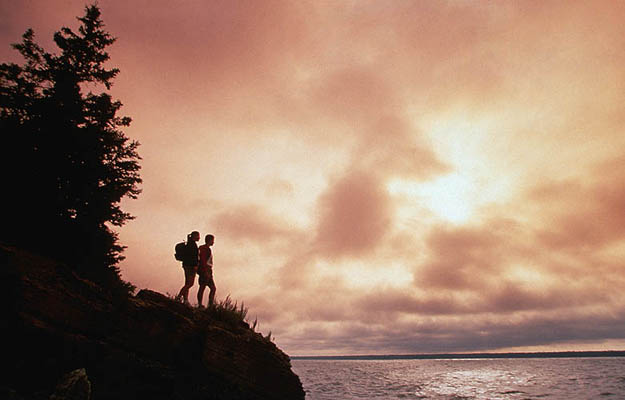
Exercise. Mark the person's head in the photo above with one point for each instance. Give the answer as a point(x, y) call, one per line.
point(195, 236)
point(209, 239)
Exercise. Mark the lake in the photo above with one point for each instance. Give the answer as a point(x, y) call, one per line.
point(508, 378)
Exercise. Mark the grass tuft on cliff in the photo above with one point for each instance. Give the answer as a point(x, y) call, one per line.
point(231, 313)
point(228, 311)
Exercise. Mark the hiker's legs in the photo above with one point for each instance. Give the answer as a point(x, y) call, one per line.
point(201, 272)
point(189, 280)
point(210, 282)
point(211, 294)
point(200, 294)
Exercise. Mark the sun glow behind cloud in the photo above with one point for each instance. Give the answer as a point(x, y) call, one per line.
point(449, 197)
point(464, 143)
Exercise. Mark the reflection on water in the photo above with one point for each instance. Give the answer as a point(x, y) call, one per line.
point(561, 378)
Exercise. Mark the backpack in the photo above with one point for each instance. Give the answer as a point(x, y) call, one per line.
point(180, 251)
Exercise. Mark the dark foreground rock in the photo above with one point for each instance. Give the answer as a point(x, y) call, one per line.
point(60, 328)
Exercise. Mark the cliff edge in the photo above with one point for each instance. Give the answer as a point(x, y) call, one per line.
point(146, 346)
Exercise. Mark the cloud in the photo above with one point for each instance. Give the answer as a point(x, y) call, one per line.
point(482, 286)
point(581, 215)
point(354, 95)
point(457, 335)
point(251, 222)
point(464, 258)
point(395, 302)
point(279, 188)
point(355, 215)
point(514, 297)
point(392, 148)
point(361, 102)
point(504, 299)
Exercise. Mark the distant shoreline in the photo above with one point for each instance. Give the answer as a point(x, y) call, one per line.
point(449, 356)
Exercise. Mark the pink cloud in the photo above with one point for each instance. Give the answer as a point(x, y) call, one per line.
point(354, 95)
point(462, 258)
point(391, 147)
point(355, 214)
point(251, 222)
point(584, 216)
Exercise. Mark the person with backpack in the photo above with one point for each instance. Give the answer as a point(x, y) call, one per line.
point(205, 271)
point(189, 257)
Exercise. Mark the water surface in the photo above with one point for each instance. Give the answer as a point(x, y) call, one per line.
point(552, 378)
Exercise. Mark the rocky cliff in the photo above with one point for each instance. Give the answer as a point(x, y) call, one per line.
point(146, 346)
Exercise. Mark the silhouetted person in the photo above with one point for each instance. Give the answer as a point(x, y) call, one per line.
point(205, 271)
point(189, 264)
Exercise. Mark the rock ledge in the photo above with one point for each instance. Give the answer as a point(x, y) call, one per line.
point(146, 346)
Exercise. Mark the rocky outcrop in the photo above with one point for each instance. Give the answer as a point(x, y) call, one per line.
point(146, 346)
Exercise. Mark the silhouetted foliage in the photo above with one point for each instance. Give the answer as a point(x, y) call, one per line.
point(66, 163)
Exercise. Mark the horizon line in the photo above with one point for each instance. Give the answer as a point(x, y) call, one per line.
point(483, 355)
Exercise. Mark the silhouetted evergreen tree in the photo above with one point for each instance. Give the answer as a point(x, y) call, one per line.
point(65, 160)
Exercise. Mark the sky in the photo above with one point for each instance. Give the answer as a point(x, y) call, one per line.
point(388, 177)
